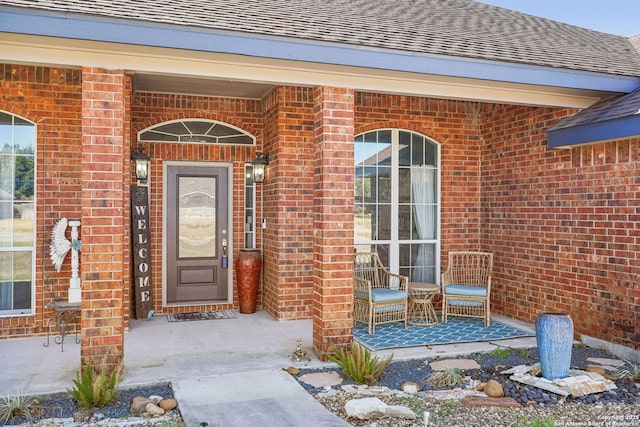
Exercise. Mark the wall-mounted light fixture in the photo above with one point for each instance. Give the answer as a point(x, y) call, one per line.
point(142, 164)
point(261, 161)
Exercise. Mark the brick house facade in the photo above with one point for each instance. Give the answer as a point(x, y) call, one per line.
point(562, 223)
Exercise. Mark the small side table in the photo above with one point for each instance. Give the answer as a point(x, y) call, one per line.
point(66, 313)
point(421, 311)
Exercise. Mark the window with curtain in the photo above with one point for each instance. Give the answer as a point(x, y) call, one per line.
point(397, 201)
point(17, 214)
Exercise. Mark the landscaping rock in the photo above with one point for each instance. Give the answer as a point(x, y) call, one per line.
point(322, 379)
point(410, 387)
point(153, 409)
point(493, 389)
point(168, 404)
point(612, 364)
point(463, 364)
point(502, 402)
point(598, 369)
point(369, 408)
point(139, 404)
point(372, 408)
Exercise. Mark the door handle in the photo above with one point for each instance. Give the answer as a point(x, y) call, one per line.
point(224, 261)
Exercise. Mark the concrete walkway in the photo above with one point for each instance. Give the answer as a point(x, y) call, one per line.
point(225, 372)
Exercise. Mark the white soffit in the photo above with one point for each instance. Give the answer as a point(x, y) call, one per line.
point(237, 68)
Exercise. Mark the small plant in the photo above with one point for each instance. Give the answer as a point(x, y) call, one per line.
point(632, 374)
point(358, 363)
point(17, 405)
point(447, 377)
point(501, 352)
point(536, 422)
point(446, 409)
point(94, 389)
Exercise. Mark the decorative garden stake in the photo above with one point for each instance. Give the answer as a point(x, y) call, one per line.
point(59, 248)
point(554, 336)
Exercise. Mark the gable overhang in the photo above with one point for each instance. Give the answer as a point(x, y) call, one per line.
point(35, 36)
point(590, 133)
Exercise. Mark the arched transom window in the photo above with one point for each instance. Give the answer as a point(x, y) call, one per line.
point(197, 131)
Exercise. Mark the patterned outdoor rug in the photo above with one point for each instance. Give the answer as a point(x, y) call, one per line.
point(201, 315)
point(456, 330)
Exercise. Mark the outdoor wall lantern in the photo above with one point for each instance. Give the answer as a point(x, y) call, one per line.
point(142, 164)
point(261, 161)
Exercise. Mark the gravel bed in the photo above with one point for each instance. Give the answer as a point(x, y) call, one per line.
point(615, 408)
point(57, 410)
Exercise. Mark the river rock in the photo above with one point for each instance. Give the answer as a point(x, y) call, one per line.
point(410, 387)
point(493, 389)
point(139, 404)
point(153, 409)
point(168, 403)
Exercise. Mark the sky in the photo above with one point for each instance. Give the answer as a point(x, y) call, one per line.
point(621, 17)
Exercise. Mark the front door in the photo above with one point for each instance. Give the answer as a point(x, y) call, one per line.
point(196, 230)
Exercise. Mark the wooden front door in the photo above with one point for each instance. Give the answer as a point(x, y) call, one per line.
point(197, 234)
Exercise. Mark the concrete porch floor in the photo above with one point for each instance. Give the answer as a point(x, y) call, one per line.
point(157, 350)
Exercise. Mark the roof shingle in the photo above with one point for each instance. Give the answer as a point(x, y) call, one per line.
point(460, 28)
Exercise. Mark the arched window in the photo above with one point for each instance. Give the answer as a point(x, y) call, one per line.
point(397, 195)
point(17, 214)
point(197, 131)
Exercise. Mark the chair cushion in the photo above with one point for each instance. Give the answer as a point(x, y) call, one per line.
point(383, 294)
point(466, 290)
point(395, 308)
point(464, 303)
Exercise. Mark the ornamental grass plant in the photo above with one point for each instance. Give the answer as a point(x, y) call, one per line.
point(359, 364)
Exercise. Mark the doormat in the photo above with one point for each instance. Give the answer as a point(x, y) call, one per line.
point(456, 330)
point(201, 315)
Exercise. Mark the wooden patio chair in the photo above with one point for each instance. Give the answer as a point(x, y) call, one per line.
point(466, 285)
point(379, 295)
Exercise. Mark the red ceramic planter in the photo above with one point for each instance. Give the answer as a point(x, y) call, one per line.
point(248, 267)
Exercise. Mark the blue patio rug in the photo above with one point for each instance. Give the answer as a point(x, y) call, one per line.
point(456, 330)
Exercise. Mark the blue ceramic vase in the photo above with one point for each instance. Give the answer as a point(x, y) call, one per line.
point(554, 336)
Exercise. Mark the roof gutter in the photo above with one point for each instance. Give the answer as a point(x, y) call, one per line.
point(31, 22)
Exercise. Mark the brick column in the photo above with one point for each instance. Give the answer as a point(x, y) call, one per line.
point(103, 217)
point(333, 219)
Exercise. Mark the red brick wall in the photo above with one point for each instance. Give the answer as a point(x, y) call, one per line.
point(148, 109)
point(563, 224)
point(50, 97)
point(288, 203)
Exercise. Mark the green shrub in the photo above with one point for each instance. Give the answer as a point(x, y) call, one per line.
point(358, 363)
point(18, 405)
point(95, 389)
point(447, 377)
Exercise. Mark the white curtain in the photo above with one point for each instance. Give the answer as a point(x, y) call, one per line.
point(423, 189)
point(6, 296)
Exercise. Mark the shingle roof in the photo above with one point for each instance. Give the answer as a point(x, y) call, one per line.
point(618, 107)
point(461, 28)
